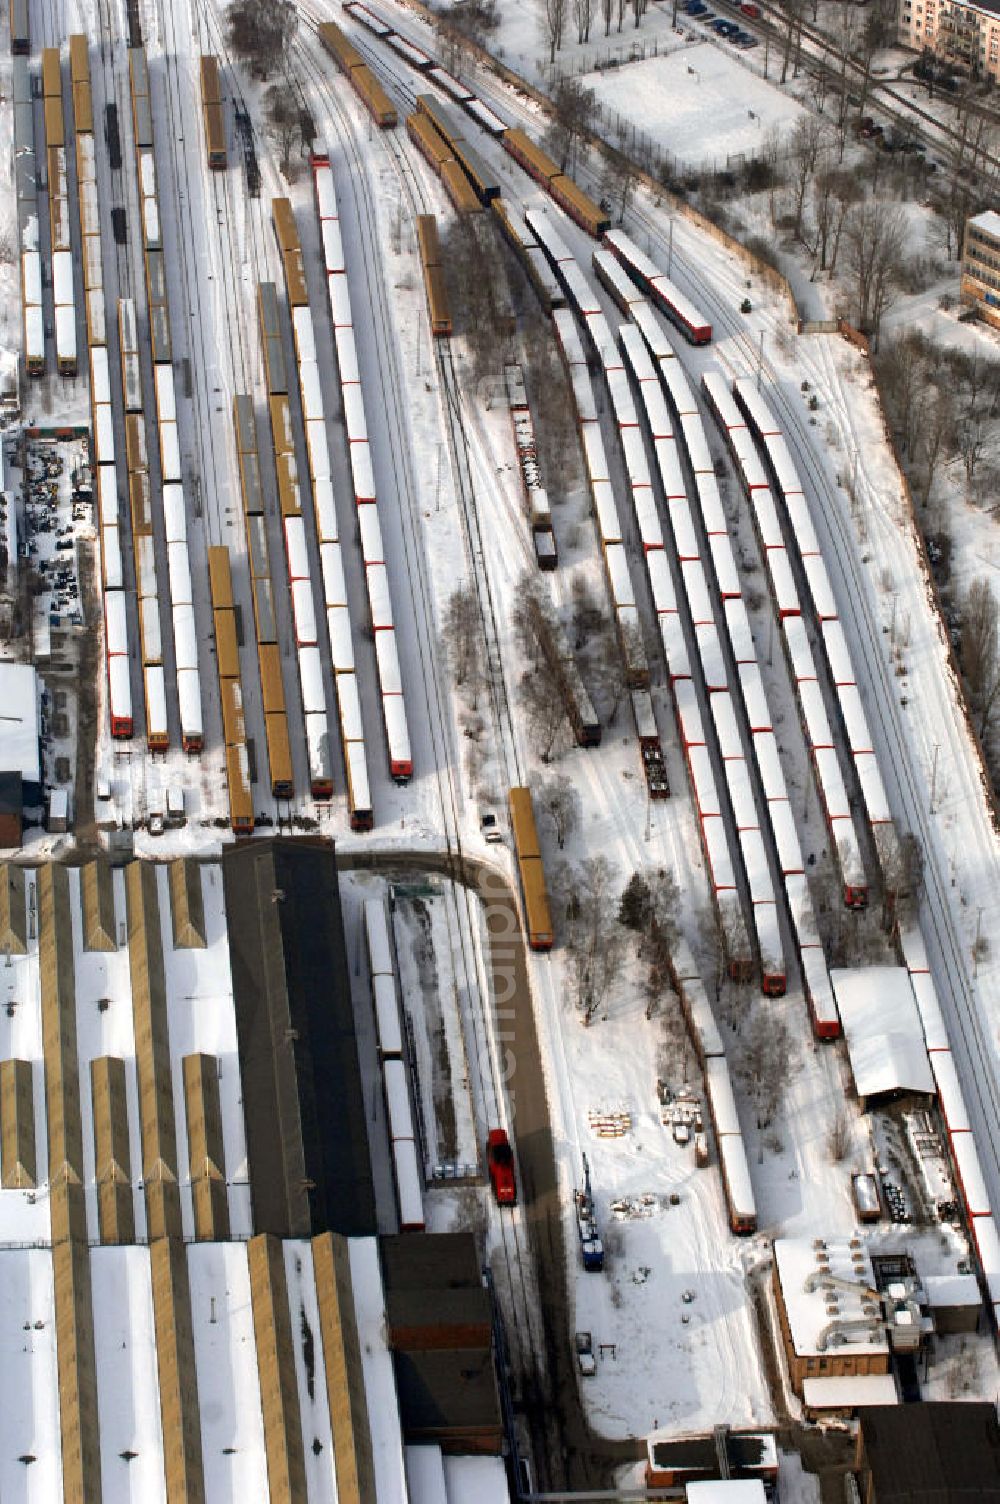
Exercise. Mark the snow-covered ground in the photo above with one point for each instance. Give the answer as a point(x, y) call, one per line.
point(698, 103)
point(674, 1302)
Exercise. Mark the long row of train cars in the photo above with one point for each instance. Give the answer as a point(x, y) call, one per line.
point(112, 529)
point(161, 427)
point(772, 483)
point(261, 584)
point(26, 194)
point(63, 295)
point(446, 128)
point(704, 1032)
point(400, 1115)
point(395, 725)
point(711, 662)
point(982, 1218)
point(656, 290)
point(234, 731)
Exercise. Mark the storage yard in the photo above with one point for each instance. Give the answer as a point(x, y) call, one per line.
point(516, 952)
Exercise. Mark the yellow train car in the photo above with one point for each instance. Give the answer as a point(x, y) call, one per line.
point(211, 113)
point(279, 755)
point(227, 644)
point(79, 72)
point(534, 894)
point(287, 234)
point(459, 189)
point(240, 797)
point(365, 84)
point(220, 579)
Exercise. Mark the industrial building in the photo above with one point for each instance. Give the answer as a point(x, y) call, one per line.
point(939, 1453)
point(20, 750)
point(980, 284)
point(831, 1321)
point(155, 1340)
point(697, 1460)
point(310, 1169)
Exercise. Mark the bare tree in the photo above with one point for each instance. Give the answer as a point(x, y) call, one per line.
point(905, 367)
point(260, 32)
point(619, 181)
point(607, 11)
point(574, 107)
point(555, 26)
point(608, 671)
point(838, 1138)
point(901, 858)
point(588, 618)
point(769, 1057)
point(806, 142)
point(979, 653)
point(831, 196)
point(463, 643)
point(847, 194)
point(876, 239)
point(791, 12)
point(544, 712)
point(284, 122)
point(594, 940)
point(557, 796)
point(622, 8)
point(972, 438)
point(583, 15)
point(937, 435)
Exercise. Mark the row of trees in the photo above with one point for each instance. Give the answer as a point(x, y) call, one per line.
point(558, 14)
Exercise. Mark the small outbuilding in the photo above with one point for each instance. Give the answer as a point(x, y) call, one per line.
point(11, 811)
point(884, 1035)
point(20, 751)
point(955, 1301)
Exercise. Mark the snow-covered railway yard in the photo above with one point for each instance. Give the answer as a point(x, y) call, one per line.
point(719, 979)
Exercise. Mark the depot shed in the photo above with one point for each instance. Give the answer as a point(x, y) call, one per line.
point(885, 1040)
point(929, 1453)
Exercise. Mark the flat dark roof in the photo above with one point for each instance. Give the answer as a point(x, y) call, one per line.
point(307, 1142)
point(447, 1390)
point(932, 1453)
point(421, 1260)
point(747, 1451)
point(11, 794)
point(443, 1309)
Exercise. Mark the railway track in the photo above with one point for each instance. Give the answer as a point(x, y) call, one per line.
point(911, 794)
point(483, 1060)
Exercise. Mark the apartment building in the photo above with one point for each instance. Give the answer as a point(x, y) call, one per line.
point(961, 33)
point(980, 285)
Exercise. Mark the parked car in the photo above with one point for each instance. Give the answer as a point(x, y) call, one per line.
point(490, 827)
point(500, 1163)
point(748, 8)
point(585, 1359)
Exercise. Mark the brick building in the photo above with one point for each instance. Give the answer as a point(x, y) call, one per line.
point(964, 35)
point(980, 285)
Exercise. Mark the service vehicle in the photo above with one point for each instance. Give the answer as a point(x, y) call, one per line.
point(500, 1164)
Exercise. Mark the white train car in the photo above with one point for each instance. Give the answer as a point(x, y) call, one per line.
point(394, 716)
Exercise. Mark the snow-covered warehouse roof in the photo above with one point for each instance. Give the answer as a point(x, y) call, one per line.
point(849, 1391)
point(824, 1287)
point(727, 1491)
point(19, 751)
point(882, 1028)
